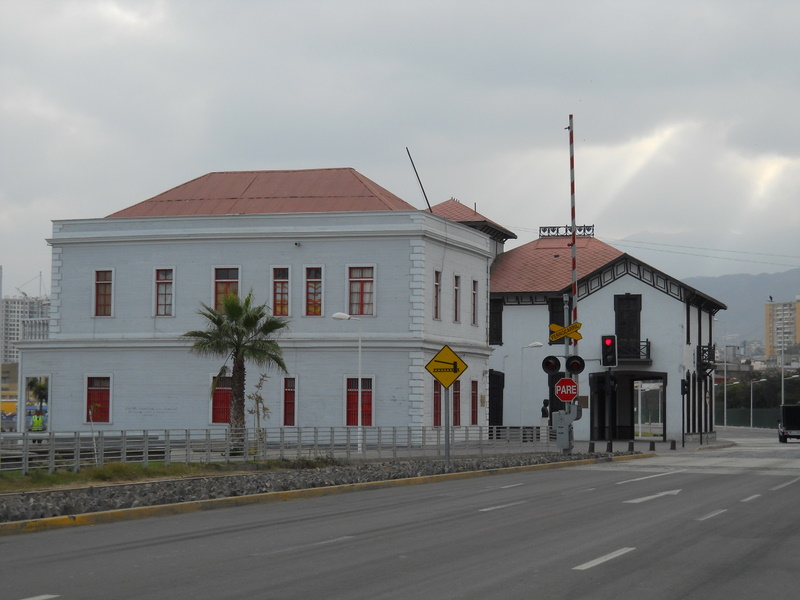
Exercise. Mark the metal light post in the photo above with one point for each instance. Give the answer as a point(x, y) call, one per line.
point(340, 316)
point(752, 383)
point(783, 380)
point(521, 370)
point(725, 388)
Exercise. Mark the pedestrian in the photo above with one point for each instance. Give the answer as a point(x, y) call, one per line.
point(37, 424)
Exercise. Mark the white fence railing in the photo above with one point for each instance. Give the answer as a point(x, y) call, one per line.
point(75, 450)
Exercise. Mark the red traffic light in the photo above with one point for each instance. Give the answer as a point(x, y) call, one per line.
point(551, 365)
point(608, 351)
point(575, 365)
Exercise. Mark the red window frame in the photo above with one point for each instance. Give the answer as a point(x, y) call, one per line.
point(221, 400)
point(456, 403)
point(437, 294)
point(352, 401)
point(474, 404)
point(98, 400)
point(437, 404)
point(226, 283)
point(164, 279)
point(456, 298)
point(362, 290)
point(103, 290)
point(280, 291)
point(313, 291)
point(289, 401)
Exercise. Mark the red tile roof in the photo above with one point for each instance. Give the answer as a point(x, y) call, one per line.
point(545, 265)
point(270, 192)
point(455, 211)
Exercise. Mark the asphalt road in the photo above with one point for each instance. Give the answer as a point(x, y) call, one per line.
point(711, 524)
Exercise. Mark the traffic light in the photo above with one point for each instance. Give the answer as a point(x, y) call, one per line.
point(551, 365)
point(575, 365)
point(608, 351)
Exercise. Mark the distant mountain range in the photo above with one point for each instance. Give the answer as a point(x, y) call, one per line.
point(746, 297)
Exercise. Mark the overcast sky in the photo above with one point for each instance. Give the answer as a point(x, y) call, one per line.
point(686, 113)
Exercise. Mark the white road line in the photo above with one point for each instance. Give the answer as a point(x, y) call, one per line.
point(303, 546)
point(783, 485)
point(513, 485)
point(45, 597)
point(751, 498)
point(712, 514)
point(653, 497)
point(602, 559)
point(650, 476)
point(500, 506)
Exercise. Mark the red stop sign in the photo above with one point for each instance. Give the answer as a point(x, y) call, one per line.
point(566, 390)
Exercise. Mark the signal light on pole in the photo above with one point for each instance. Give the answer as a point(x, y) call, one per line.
point(608, 351)
point(575, 365)
point(551, 365)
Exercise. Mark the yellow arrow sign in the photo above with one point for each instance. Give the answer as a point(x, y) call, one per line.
point(569, 331)
point(446, 366)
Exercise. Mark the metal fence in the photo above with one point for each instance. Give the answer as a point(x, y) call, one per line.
point(76, 450)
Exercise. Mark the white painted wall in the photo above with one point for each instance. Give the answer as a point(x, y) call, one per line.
point(662, 322)
point(158, 383)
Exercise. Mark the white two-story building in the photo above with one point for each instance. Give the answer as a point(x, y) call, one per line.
point(306, 243)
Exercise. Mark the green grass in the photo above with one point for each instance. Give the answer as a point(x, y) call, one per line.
point(131, 472)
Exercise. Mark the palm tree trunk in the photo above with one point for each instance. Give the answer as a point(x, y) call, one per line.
point(237, 425)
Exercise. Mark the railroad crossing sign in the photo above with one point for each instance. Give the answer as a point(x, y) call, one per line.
point(568, 331)
point(566, 389)
point(446, 366)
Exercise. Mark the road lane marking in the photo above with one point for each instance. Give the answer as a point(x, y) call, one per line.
point(513, 485)
point(783, 485)
point(602, 559)
point(44, 597)
point(500, 506)
point(751, 498)
point(653, 497)
point(650, 476)
point(712, 514)
point(304, 546)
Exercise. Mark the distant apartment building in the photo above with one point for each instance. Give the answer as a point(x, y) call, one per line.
point(781, 326)
point(21, 317)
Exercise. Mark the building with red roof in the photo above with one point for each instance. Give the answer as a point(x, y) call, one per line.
point(664, 330)
point(316, 242)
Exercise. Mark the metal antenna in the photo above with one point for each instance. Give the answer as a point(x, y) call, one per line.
point(419, 180)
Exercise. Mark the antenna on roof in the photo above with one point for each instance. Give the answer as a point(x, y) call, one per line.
point(419, 180)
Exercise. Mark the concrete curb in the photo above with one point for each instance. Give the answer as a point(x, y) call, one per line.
point(145, 512)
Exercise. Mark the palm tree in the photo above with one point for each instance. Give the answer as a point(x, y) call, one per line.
point(239, 332)
point(37, 386)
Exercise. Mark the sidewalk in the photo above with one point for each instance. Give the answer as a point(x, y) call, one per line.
point(651, 445)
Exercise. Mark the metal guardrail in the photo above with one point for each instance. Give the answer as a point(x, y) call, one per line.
point(76, 450)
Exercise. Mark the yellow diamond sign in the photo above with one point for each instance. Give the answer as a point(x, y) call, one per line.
point(446, 366)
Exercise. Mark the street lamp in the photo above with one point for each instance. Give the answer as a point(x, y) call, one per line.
point(783, 380)
point(725, 389)
point(521, 370)
point(725, 401)
point(340, 316)
point(752, 383)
